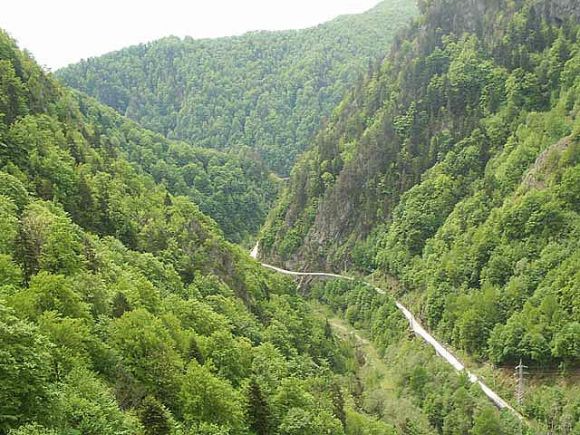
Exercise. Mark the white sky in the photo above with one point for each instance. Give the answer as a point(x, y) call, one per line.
point(59, 32)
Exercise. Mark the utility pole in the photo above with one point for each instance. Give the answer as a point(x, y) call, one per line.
point(520, 387)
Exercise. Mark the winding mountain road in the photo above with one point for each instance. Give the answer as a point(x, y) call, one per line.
point(416, 327)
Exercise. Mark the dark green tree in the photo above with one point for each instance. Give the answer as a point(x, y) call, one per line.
point(154, 417)
point(259, 416)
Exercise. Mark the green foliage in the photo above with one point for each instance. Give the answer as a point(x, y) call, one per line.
point(259, 415)
point(206, 398)
point(33, 429)
point(48, 292)
point(469, 213)
point(360, 424)
point(89, 407)
point(431, 116)
point(8, 225)
point(10, 273)
point(123, 309)
point(13, 92)
point(154, 417)
point(12, 188)
point(269, 91)
point(75, 152)
point(230, 354)
point(49, 240)
point(455, 167)
point(554, 407)
point(73, 344)
point(148, 354)
point(25, 371)
point(428, 396)
point(487, 422)
point(298, 421)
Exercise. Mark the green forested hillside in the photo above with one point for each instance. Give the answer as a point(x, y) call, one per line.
point(266, 90)
point(455, 168)
point(417, 392)
point(234, 188)
point(451, 173)
point(122, 308)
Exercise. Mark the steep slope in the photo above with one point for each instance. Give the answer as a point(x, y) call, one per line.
point(419, 392)
point(122, 308)
point(234, 188)
point(454, 168)
point(266, 90)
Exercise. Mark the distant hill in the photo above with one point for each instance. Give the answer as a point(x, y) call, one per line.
point(269, 91)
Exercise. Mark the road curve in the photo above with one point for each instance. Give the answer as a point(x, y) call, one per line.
point(416, 327)
point(317, 274)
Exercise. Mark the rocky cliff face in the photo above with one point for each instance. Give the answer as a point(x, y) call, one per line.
point(560, 10)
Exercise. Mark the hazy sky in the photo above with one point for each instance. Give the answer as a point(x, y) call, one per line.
point(58, 32)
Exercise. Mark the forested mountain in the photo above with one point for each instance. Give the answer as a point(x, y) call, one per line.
point(451, 173)
point(453, 169)
point(269, 91)
point(122, 308)
point(234, 188)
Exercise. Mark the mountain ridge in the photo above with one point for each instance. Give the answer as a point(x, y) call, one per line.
point(422, 177)
point(123, 309)
point(285, 82)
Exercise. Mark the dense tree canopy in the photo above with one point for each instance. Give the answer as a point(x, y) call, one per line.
point(234, 188)
point(454, 169)
point(420, 393)
point(269, 91)
point(451, 172)
point(123, 309)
